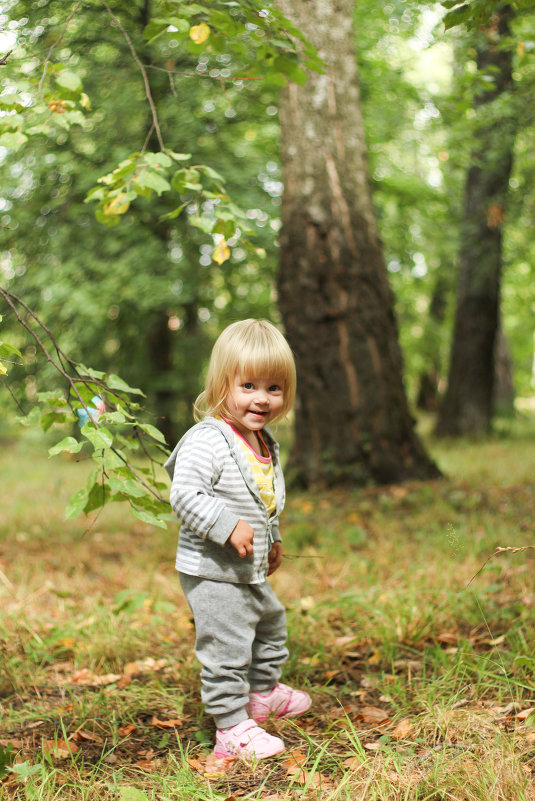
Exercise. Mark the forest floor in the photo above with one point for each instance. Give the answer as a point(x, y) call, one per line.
point(413, 635)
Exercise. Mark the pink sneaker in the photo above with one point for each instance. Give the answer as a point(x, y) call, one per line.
point(246, 739)
point(282, 701)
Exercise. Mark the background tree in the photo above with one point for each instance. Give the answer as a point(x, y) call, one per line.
point(352, 420)
point(143, 298)
point(468, 404)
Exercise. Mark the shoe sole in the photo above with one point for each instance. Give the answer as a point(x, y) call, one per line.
point(220, 754)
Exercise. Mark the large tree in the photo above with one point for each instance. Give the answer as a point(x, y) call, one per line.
point(352, 421)
point(468, 403)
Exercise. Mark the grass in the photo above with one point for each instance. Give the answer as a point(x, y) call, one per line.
point(421, 664)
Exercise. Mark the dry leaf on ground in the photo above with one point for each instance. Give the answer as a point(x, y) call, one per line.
point(166, 724)
point(82, 734)
point(373, 714)
point(124, 731)
point(60, 749)
point(215, 766)
point(402, 730)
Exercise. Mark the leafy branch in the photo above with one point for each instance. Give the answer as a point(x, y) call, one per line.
point(111, 426)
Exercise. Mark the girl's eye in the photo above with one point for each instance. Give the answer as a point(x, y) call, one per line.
point(274, 388)
point(248, 385)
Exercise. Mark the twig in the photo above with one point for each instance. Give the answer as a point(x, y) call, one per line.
point(148, 92)
point(56, 43)
point(499, 550)
point(3, 60)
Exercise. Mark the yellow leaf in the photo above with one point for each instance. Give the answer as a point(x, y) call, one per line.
point(117, 205)
point(3, 370)
point(199, 33)
point(402, 730)
point(221, 252)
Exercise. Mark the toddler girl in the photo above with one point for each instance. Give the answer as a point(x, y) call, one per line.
point(228, 492)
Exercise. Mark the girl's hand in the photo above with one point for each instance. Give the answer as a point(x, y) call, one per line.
point(274, 557)
point(242, 538)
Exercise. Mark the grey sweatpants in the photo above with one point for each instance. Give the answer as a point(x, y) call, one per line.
point(240, 643)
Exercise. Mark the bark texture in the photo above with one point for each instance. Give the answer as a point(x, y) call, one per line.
point(468, 404)
point(352, 419)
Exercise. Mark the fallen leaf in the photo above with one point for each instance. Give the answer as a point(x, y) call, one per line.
point(530, 737)
point(166, 724)
point(146, 764)
point(375, 658)
point(124, 731)
point(12, 743)
point(354, 763)
point(84, 676)
point(196, 764)
point(216, 766)
point(402, 730)
point(60, 749)
point(448, 638)
point(294, 759)
point(372, 714)
point(525, 713)
point(82, 734)
point(495, 641)
point(372, 746)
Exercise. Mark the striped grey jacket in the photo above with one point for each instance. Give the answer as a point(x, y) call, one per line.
point(212, 488)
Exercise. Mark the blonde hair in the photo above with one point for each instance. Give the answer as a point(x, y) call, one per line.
point(248, 348)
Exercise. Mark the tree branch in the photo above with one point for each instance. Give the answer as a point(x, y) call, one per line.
point(143, 71)
point(56, 43)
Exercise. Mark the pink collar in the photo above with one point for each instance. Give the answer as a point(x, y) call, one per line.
point(259, 456)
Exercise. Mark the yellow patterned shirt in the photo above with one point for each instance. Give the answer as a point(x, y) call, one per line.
point(262, 468)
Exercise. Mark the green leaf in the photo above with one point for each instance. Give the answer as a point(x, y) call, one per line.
point(98, 496)
point(153, 432)
point(157, 159)
point(116, 382)
point(154, 29)
point(100, 438)
point(76, 504)
point(127, 487)
point(457, 16)
point(68, 444)
point(8, 350)
point(48, 419)
point(114, 417)
point(96, 374)
point(13, 141)
point(69, 80)
point(179, 156)
point(111, 460)
point(25, 769)
point(148, 179)
point(148, 517)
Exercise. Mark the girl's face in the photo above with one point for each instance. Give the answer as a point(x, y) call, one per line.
point(253, 402)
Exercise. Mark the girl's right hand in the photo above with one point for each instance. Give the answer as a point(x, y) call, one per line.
point(242, 538)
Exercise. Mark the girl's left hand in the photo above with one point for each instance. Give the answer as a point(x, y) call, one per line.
point(274, 557)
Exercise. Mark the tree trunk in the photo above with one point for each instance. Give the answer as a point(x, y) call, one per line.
point(503, 397)
point(352, 419)
point(427, 398)
point(468, 403)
